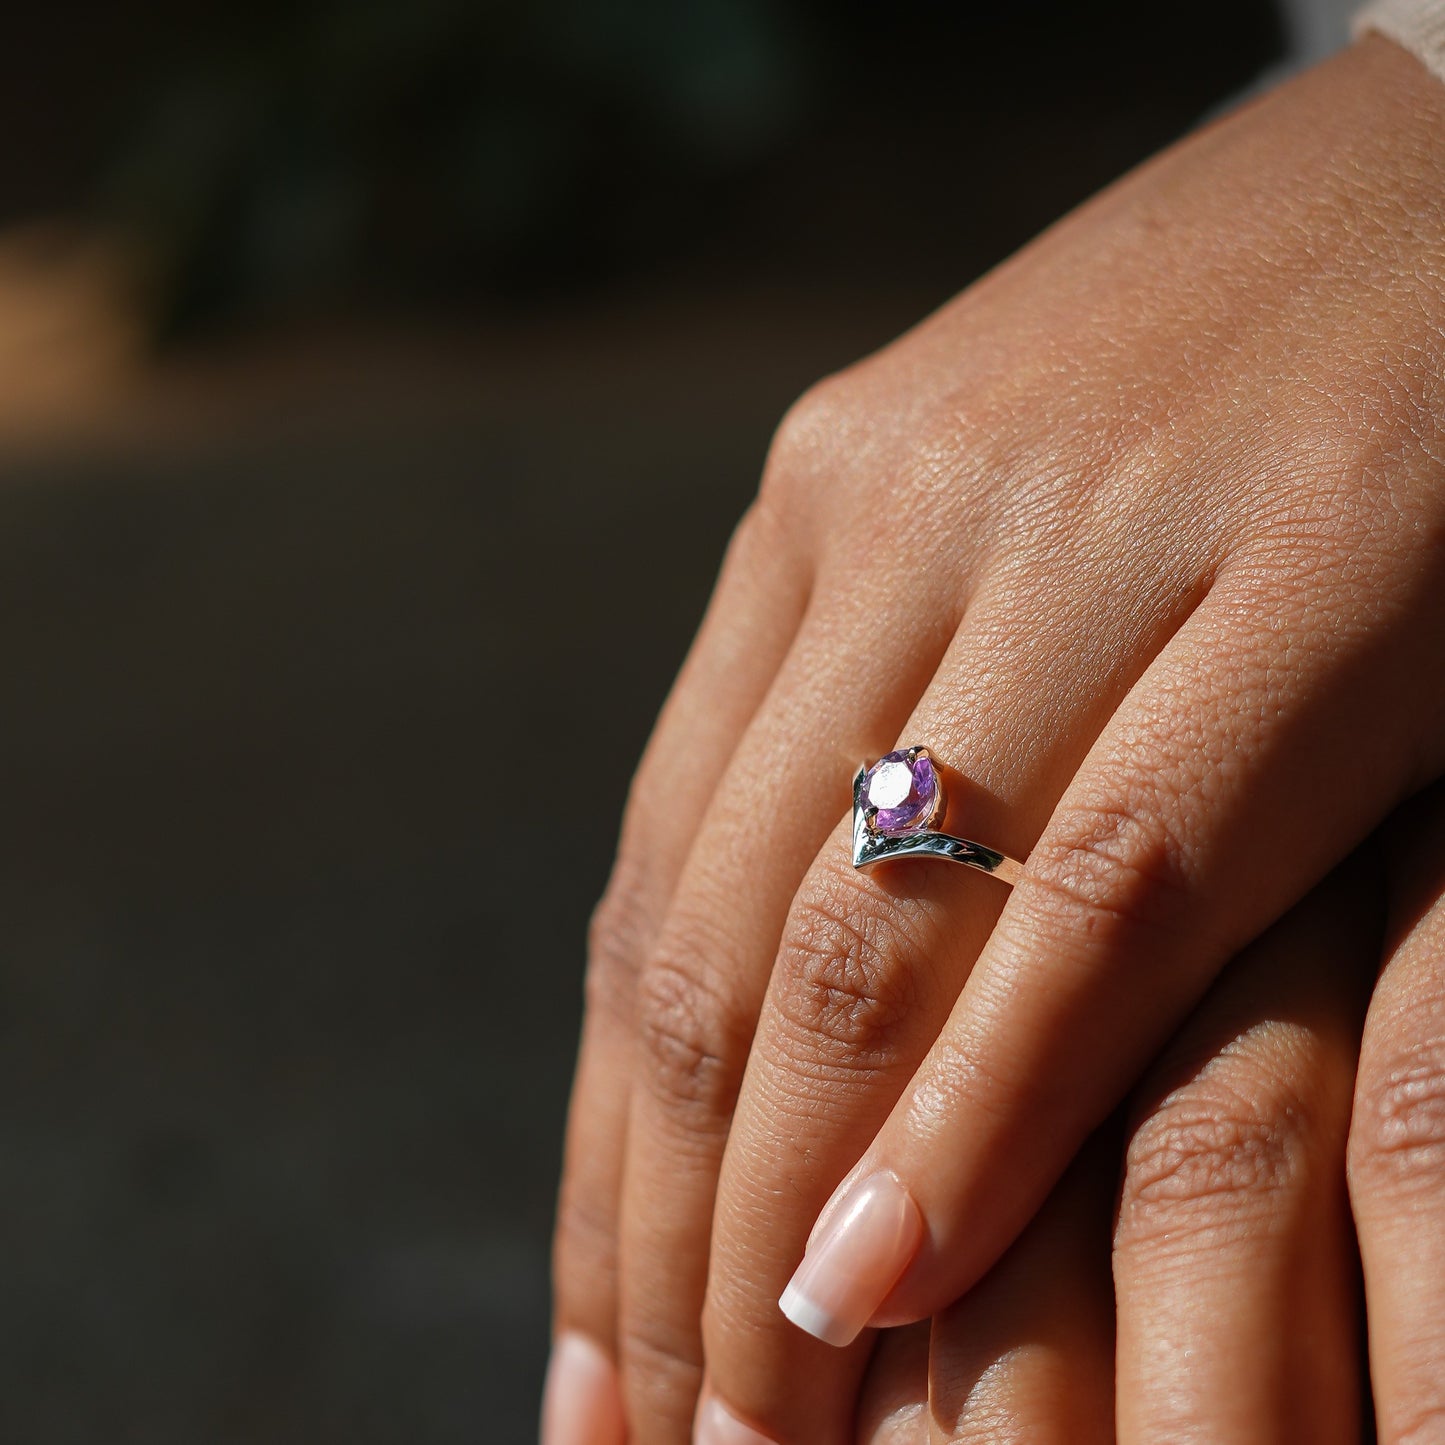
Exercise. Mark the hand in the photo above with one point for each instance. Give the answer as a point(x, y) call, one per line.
point(1141, 535)
point(1233, 1258)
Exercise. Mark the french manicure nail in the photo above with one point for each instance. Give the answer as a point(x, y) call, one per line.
point(870, 1237)
point(582, 1400)
point(717, 1425)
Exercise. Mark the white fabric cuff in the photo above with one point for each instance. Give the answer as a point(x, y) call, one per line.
point(1418, 25)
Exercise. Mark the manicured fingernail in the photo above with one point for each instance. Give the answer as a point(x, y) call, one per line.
point(582, 1400)
point(869, 1238)
point(717, 1425)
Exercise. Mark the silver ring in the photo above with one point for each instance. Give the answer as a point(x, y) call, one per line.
point(896, 803)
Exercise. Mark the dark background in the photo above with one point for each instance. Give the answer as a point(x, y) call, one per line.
point(378, 384)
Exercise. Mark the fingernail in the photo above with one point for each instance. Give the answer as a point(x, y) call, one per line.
point(582, 1400)
point(717, 1425)
point(869, 1239)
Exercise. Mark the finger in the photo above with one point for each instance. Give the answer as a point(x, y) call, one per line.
point(1397, 1145)
point(1027, 1357)
point(869, 965)
point(1199, 817)
point(1234, 1257)
point(753, 617)
point(893, 1409)
point(852, 672)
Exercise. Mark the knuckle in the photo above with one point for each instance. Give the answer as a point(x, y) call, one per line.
point(811, 437)
point(692, 1051)
point(1120, 871)
point(812, 421)
point(585, 1243)
point(1397, 1133)
point(662, 1376)
point(1207, 1155)
point(616, 940)
point(993, 1420)
point(761, 538)
point(844, 983)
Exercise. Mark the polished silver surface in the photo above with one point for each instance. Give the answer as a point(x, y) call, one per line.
point(873, 847)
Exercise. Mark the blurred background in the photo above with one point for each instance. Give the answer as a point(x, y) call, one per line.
point(379, 381)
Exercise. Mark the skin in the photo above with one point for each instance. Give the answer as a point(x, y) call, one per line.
point(1232, 1310)
point(1143, 536)
point(1397, 1142)
point(1234, 1259)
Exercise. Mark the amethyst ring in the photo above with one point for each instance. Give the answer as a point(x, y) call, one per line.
point(896, 804)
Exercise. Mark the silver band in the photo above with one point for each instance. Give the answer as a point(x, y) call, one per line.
point(871, 846)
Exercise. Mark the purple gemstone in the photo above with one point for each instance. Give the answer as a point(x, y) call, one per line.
point(905, 793)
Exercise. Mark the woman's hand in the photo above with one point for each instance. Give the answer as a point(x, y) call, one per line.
point(1234, 1264)
point(1233, 1259)
point(1143, 536)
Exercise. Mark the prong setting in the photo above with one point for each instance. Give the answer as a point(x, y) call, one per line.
point(903, 826)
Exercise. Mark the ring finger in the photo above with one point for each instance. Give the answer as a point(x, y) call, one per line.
point(852, 671)
point(870, 966)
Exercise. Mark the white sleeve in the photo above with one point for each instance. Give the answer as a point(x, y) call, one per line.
point(1418, 25)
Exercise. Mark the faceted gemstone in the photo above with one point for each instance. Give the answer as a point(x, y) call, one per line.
point(905, 793)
